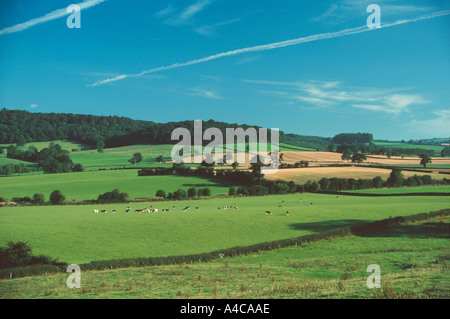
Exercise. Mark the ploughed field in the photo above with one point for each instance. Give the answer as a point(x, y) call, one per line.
point(76, 235)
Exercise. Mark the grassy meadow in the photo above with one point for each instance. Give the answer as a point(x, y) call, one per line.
point(76, 235)
point(90, 184)
point(413, 259)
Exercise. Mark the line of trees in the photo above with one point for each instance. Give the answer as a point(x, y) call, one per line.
point(52, 159)
point(9, 169)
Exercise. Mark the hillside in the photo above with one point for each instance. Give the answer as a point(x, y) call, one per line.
point(22, 127)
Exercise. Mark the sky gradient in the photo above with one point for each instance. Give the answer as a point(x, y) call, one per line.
point(305, 67)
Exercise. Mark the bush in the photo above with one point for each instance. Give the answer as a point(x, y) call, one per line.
point(192, 192)
point(113, 197)
point(38, 199)
point(160, 193)
point(56, 198)
point(232, 191)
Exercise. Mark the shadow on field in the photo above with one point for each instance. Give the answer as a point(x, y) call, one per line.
point(328, 225)
point(439, 230)
point(426, 230)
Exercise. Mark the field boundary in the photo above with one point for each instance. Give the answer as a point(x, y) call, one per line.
point(357, 230)
point(382, 195)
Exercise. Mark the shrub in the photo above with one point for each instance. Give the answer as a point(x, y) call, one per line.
point(38, 199)
point(113, 197)
point(160, 193)
point(192, 192)
point(56, 198)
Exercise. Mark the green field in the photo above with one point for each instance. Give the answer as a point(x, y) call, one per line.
point(436, 148)
point(76, 235)
point(88, 185)
point(413, 260)
point(66, 145)
point(402, 190)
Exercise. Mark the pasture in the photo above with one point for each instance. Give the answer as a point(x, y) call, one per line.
point(412, 258)
point(76, 235)
point(90, 184)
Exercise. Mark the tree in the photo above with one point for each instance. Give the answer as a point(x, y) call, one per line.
point(346, 155)
point(78, 168)
point(38, 199)
point(160, 193)
point(358, 158)
point(235, 165)
point(444, 153)
point(395, 179)
point(56, 198)
point(331, 147)
point(192, 192)
point(100, 145)
point(424, 160)
point(232, 191)
point(136, 159)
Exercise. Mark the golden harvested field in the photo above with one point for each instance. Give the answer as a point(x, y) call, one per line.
point(302, 175)
point(328, 157)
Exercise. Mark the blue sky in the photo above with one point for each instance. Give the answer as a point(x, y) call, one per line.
point(233, 61)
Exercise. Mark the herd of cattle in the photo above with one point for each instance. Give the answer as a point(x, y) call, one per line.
point(155, 210)
point(185, 209)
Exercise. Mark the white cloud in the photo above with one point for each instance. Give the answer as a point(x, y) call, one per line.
point(333, 94)
point(185, 16)
point(49, 17)
point(206, 94)
point(211, 29)
point(435, 127)
point(276, 45)
point(33, 106)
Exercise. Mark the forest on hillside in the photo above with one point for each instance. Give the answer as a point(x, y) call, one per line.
point(20, 127)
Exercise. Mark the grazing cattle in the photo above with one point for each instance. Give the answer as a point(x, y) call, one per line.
point(104, 211)
point(155, 210)
point(310, 203)
point(236, 208)
point(114, 211)
point(287, 213)
point(127, 210)
point(225, 207)
point(337, 197)
point(95, 211)
point(282, 202)
point(197, 208)
point(141, 210)
point(268, 212)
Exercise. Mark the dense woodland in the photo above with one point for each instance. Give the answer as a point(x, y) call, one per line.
point(20, 127)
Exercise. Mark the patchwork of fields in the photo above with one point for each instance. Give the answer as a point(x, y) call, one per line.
point(302, 175)
point(74, 234)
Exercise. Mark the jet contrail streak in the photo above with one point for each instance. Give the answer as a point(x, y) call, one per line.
point(271, 46)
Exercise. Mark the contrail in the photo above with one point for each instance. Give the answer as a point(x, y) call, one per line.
point(271, 46)
point(48, 17)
